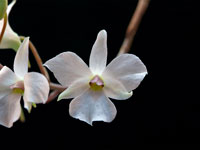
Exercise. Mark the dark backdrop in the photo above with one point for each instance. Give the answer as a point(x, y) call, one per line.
point(161, 110)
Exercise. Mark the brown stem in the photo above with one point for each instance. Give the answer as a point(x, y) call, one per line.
point(54, 86)
point(1, 66)
point(57, 90)
point(38, 59)
point(4, 26)
point(52, 96)
point(133, 25)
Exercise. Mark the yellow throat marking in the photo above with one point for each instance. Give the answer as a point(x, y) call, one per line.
point(96, 83)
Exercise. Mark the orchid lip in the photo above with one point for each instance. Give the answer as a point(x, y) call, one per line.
point(18, 87)
point(96, 83)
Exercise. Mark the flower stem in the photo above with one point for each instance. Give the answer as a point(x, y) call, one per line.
point(133, 25)
point(52, 96)
point(57, 90)
point(39, 61)
point(1, 66)
point(54, 86)
point(4, 26)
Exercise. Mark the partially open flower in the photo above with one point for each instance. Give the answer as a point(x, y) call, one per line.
point(10, 38)
point(91, 87)
point(32, 86)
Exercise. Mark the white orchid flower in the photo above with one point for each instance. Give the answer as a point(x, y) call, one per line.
point(33, 86)
point(10, 38)
point(91, 87)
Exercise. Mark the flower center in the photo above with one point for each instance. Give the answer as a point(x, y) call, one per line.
point(96, 83)
point(18, 87)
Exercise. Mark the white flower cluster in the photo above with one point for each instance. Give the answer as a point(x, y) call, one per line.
point(90, 87)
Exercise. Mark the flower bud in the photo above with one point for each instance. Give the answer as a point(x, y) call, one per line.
point(3, 8)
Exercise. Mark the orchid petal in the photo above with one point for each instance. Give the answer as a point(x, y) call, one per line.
point(36, 88)
point(68, 67)
point(92, 106)
point(4, 93)
point(10, 38)
point(114, 89)
point(127, 69)
point(10, 109)
point(98, 56)
point(75, 89)
point(21, 59)
point(7, 79)
point(10, 6)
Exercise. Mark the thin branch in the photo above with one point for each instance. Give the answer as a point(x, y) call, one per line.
point(57, 90)
point(54, 86)
point(4, 26)
point(133, 25)
point(52, 96)
point(1, 66)
point(38, 59)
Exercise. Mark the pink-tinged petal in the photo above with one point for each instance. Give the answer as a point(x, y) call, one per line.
point(92, 106)
point(114, 89)
point(21, 59)
point(68, 67)
point(75, 89)
point(7, 79)
point(36, 88)
point(127, 69)
point(98, 56)
point(10, 38)
point(10, 109)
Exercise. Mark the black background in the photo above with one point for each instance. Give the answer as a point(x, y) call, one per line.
point(163, 110)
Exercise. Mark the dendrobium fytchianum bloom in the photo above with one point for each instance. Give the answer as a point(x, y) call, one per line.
point(10, 38)
point(91, 87)
point(33, 86)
